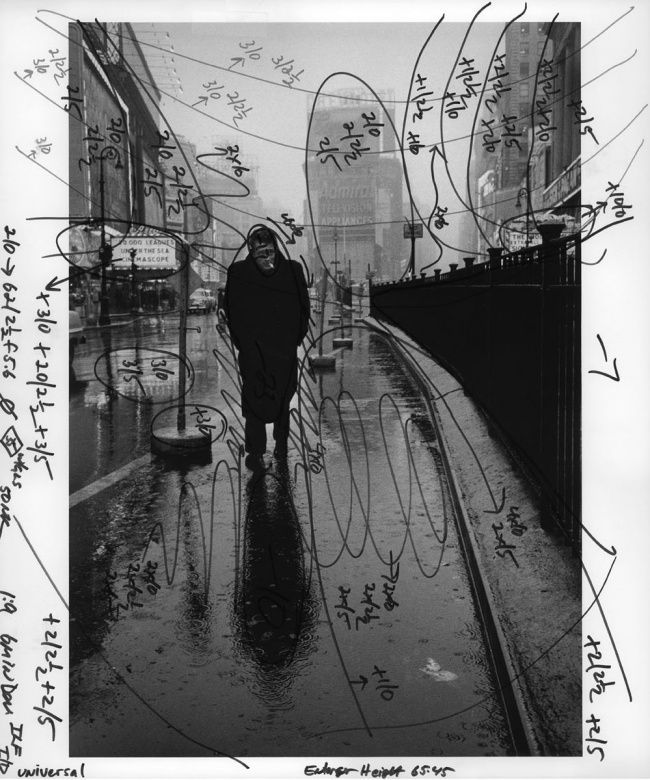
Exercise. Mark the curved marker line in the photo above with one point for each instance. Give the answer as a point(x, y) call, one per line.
point(354, 487)
point(109, 354)
point(433, 385)
point(138, 80)
point(445, 92)
point(441, 539)
point(534, 103)
point(275, 83)
point(346, 674)
point(600, 259)
point(406, 515)
point(88, 220)
point(302, 89)
point(490, 697)
point(408, 102)
point(208, 64)
point(411, 348)
point(324, 266)
point(414, 477)
point(120, 678)
point(438, 240)
point(344, 536)
point(131, 154)
point(591, 220)
point(305, 449)
point(270, 140)
point(470, 204)
point(489, 221)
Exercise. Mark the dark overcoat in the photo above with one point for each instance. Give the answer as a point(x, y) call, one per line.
point(268, 317)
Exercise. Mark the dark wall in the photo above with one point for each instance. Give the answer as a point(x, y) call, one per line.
point(509, 331)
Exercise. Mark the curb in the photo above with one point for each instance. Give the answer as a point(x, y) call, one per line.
point(512, 693)
point(130, 321)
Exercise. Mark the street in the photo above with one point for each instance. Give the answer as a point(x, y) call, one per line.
point(319, 608)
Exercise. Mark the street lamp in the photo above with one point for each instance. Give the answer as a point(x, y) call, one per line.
point(523, 191)
point(335, 262)
point(105, 249)
point(136, 303)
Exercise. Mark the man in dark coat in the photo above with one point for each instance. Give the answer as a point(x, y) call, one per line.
point(267, 308)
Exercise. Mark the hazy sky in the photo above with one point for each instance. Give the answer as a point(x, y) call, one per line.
point(382, 55)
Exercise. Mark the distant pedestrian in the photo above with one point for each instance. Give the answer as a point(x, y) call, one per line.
point(267, 308)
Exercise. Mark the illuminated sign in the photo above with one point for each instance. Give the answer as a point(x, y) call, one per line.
point(151, 252)
point(563, 187)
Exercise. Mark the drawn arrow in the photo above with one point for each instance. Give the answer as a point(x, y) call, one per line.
point(8, 268)
point(310, 277)
point(615, 376)
point(436, 150)
point(362, 681)
point(53, 284)
point(497, 509)
point(203, 99)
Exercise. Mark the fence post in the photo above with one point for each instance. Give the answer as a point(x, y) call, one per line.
point(549, 373)
point(494, 254)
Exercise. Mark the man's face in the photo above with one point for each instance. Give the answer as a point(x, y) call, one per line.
point(264, 255)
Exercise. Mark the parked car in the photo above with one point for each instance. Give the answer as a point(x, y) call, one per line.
point(202, 300)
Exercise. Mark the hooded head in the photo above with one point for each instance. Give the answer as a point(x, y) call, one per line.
point(263, 247)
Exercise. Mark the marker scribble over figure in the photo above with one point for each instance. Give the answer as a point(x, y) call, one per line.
point(267, 308)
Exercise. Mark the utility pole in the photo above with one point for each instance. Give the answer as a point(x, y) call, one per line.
point(342, 341)
point(105, 249)
point(321, 361)
point(336, 264)
point(336, 259)
point(182, 332)
point(181, 441)
point(134, 302)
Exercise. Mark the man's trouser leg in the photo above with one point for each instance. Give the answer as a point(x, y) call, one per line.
point(255, 435)
point(281, 430)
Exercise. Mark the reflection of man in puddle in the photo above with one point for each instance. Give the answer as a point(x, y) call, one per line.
point(274, 608)
point(267, 307)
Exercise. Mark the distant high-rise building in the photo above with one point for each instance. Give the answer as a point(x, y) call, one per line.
point(526, 153)
point(355, 188)
point(558, 181)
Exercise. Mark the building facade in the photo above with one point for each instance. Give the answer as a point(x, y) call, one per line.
point(134, 184)
point(526, 154)
point(355, 189)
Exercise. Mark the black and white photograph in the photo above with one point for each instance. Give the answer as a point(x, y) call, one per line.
point(324, 390)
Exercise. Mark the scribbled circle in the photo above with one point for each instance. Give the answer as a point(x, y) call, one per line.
point(144, 374)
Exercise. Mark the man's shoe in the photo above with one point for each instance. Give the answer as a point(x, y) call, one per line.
point(254, 461)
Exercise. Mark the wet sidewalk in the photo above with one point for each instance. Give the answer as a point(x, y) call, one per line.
point(319, 608)
point(533, 577)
